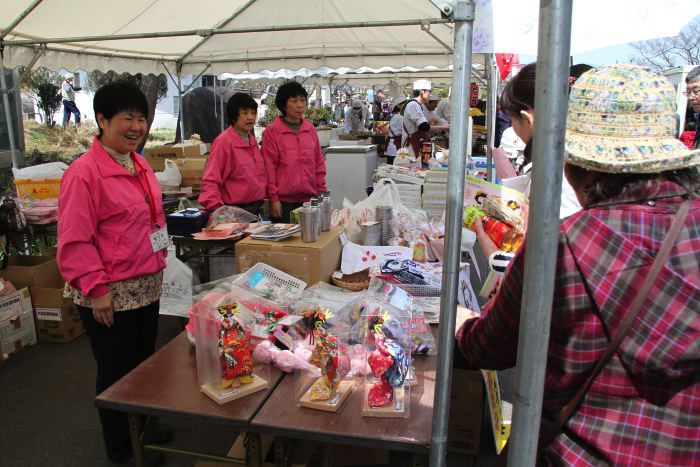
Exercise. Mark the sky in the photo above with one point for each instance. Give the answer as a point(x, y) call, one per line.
point(605, 56)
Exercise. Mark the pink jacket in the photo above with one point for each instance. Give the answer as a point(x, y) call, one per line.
point(104, 222)
point(235, 172)
point(296, 169)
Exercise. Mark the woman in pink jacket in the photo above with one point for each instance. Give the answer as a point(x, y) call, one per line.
point(235, 173)
point(296, 169)
point(112, 245)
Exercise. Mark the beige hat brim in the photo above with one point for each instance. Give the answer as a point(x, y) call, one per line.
point(628, 155)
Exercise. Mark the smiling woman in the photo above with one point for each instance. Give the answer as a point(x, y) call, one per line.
point(112, 246)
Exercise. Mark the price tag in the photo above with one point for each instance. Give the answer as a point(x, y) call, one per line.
point(289, 320)
point(260, 331)
point(159, 240)
point(284, 338)
point(343, 238)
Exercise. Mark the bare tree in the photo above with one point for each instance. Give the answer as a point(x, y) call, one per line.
point(669, 52)
point(154, 87)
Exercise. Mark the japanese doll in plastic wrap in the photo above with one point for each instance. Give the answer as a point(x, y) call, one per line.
point(328, 355)
point(235, 348)
point(388, 361)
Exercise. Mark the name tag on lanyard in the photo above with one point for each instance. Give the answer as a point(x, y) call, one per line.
point(159, 240)
point(159, 236)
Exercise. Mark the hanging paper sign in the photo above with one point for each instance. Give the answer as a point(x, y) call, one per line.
point(473, 95)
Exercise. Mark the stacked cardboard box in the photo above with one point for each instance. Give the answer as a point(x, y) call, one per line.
point(310, 262)
point(56, 317)
point(466, 408)
point(16, 321)
point(190, 159)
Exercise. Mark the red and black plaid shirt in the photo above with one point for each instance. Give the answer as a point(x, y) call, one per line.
point(644, 406)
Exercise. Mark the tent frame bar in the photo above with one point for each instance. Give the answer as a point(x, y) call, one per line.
point(19, 19)
point(551, 102)
point(492, 96)
point(119, 56)
point(205, 33)
point(463, 16)
point(221, 24)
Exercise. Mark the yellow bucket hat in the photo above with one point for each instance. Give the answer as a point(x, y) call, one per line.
point(622, 119)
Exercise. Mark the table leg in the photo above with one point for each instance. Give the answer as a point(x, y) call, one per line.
point(418, 460)
point(135, 430)
point(253, 450)
point(282, 450)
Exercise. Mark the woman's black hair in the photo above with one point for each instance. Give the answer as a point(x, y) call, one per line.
point(117, 97)
point(575, 71)
point(519, 93)
point(604, 186)
point(287, 91)
point(238, 101)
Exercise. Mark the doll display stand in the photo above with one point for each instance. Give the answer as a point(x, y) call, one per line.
point(331, 405)
point(397, 408)
point(222, 396)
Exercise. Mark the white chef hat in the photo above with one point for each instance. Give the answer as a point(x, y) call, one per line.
point(422, 84)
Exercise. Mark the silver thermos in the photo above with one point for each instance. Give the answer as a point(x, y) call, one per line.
point(308, 218)
point(316, 204)
point(326, 211)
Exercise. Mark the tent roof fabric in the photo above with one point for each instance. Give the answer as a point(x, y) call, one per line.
point(237, 36)
point(52, 21)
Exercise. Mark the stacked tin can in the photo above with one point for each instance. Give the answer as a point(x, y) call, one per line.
point(385, 215)
point(371, 233)
point(326, 211)
point(309, 218)
point(316, 203)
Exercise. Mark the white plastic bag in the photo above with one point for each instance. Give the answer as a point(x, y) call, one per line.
point(352, 216)
point(176, 294)
point(50, 170)
point(170, 178)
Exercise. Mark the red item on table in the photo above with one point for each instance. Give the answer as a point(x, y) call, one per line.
point(381, 394)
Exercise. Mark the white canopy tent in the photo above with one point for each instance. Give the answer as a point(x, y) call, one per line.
point(231, 36)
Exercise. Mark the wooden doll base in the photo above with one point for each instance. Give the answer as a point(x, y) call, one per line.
point(390, 411)
point(222, 396)
point(331, 405)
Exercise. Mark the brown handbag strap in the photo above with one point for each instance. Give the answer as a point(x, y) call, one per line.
point(625, 324)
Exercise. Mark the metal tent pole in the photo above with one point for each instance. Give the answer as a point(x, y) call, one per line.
point(179, 102)
point(16, 155)
point(492, 88)
point(463, 15)
point(551, 97)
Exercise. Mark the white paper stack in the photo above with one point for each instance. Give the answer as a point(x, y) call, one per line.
point(410, 195)
point(434, 200)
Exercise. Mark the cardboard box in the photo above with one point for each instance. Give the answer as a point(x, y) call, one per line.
point(57, 318)
point(49, 251)
point(466, 408)
point(16, 321)
point(192, 170)
point(309, 262)
point(28, 271)
point(155, 156)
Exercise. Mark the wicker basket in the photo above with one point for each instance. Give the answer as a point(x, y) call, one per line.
point(353, 282)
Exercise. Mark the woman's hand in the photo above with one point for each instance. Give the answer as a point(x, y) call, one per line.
point(102, 309)
point(463, 315)
point(485, 242)
point(276, 209)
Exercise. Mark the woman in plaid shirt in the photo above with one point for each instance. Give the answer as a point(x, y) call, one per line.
point(630, 175)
